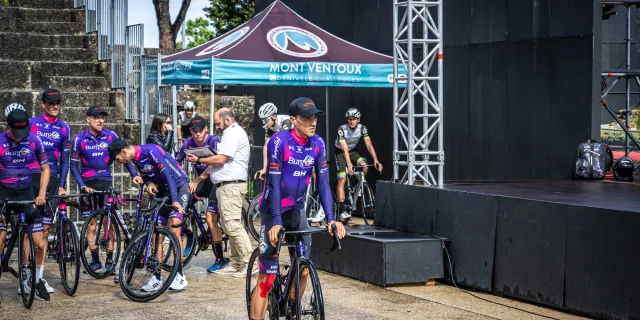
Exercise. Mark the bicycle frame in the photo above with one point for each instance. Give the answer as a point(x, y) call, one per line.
point(6, 255)
point(111, 208)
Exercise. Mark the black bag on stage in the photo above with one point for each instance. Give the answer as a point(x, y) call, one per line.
point(594, 160)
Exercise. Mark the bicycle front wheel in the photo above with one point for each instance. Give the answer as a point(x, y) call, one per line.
point(273, 311)
point(367, 204)
point(68, 257)
point(311, 303)
point(142, 276)
point(26, 265)
point(94, 238)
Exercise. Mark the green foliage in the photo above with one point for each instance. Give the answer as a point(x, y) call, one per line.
point(6, 3)
point(198, 32)
point(228, 14)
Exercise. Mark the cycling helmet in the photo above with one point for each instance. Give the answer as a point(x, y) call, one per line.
point(623, 169)
point(267, 110)
point(189, 105)
point(11, 107)
point(353, 112)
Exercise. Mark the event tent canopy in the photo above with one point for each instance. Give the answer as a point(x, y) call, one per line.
point(279, 47)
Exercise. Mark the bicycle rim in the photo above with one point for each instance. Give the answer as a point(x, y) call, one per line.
point(192, 227)
point(26, 271)
point(68, 257)
point(253, 218)
point(368, 204)
point(311, 304)
point(252, 282)
point(85, 248)
point(134, 273)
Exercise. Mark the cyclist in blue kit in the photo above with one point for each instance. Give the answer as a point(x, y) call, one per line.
point(292, 155)
point(163, 177)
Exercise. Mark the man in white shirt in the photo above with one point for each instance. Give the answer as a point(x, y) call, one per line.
point(228, 171)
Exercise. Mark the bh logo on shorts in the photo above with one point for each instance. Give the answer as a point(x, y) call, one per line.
point(225, 42)
point(296, 42)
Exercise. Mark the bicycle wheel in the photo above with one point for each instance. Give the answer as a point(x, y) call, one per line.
point(311, 303)
point(102, 244)
point(190, 238)
point(140, 262)
point(69, 262)
point(273, 311)
point(26, 269)
point(367, 204)
point(253, 218)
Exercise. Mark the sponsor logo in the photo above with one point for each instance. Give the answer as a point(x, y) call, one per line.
point(24, 151)
point(97, 154)
point(19, 160)
point(48, 143)
point(161, 166)
point(300, 174)
point(403, 76)
point(147, 167)
point(306, 162)
point(205, 74)
point(324, 163)
point(296, 42)
point(364, 131)
point(276, 142)
point(274, 166)
point(224, 42)
point(50, 135)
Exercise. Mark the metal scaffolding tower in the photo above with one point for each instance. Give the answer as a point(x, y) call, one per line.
point(417, 44)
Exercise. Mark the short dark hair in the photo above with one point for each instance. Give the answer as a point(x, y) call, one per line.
point(158, 121)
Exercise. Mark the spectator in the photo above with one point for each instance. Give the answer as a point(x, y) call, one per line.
point(162, 132)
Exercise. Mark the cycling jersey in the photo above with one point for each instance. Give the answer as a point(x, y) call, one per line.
point(351, 137)
point(284, 124)
point(55, 136)
point(18, 159)
point(94, 154)
point(157, 166)
point(291, 159)
point(211, 141)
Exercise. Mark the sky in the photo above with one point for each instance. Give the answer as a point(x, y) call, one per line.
point(141, 11)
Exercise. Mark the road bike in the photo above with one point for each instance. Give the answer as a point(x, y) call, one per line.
point(358, 196)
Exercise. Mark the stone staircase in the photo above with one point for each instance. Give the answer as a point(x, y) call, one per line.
point(43, 44)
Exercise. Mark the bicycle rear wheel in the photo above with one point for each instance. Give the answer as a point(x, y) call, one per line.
point(367, 204)
point(26, 269)
point(311, 303)
point(273, 311)
point(253, 218)
point(135, 274)
point(69, 262)
point(102, 244)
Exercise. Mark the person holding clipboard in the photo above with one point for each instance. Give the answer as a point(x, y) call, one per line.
point(202, 144)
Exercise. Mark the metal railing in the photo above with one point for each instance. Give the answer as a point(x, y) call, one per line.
point(91, 15)
point(78, 3)
point(104, 28)
point(134, 88)
point(118, 37)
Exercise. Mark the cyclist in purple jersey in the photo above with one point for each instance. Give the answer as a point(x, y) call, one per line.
point(21, 152)
point(292, 155)
point(90, 148)
point(200, 137)
point(163, 177)
point(54, 134)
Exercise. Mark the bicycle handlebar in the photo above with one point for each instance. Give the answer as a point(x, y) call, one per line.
point(64, 196)
point(8, 202)
point(336, 239)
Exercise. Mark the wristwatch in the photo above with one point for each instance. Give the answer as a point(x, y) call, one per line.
point(198, 161)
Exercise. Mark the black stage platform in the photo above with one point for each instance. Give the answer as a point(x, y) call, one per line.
point(573, 245)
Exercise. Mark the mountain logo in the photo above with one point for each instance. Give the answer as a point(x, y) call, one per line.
point(224, 42)
point(296, 42)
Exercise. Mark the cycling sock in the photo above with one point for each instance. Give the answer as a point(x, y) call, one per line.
point(40, 272)
point(157, 275)
point(217, 250)
point(94, 256)
point(38, 275)
point(109, 255)
point(342, 206)
point(180, 268)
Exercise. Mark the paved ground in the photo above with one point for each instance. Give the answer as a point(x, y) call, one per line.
point(222, 297)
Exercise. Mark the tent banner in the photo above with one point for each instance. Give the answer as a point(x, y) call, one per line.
point(239, 72)
point(187, 71)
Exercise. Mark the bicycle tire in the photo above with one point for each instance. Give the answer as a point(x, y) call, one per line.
point(162, 231)
point(315, 284)
point(368, 212)
point(272, 312)
point(85, 245)
point(195, 239)
point(27, 298)
point(194, 244)
point(250, 217)
point(70, 242)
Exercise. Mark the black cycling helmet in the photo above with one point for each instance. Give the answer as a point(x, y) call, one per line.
point(623, 169)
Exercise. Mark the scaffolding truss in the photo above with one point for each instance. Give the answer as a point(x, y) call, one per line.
point(417, 127)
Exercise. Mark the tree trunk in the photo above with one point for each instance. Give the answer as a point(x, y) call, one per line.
point(167, 31)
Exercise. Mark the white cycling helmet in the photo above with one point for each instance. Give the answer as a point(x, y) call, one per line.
point(11, 107)
point(189, 105)
point(267, 110)
point(353, 112)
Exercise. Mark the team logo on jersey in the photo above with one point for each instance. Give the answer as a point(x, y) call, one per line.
point(296, 42)
point(148, 168)
point(225, 42)
point(103, 145)
point(24, 151)
point(308, 161)
point(55, 136)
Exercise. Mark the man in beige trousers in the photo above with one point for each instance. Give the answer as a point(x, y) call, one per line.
point(228, 172)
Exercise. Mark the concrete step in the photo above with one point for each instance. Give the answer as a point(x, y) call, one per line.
point(48, 4)
point(23, 41)
point(56, 28)
point(41, 69)
point(128, 131)
point(15, 75)
point(74, 107)
point(72, 83)
point(26, 98)
point(49, 54)
point(45, 14)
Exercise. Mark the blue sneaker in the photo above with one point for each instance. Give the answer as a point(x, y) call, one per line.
point(187, 250)
point(220, 263)
point(95, 266)
point(108, 264)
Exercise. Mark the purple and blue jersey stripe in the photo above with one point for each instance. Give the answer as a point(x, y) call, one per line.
point(55, 136)
point(18, 159)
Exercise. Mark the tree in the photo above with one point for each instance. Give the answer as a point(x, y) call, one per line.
point(228, 14)
point(167, 31)
point(198, 32)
